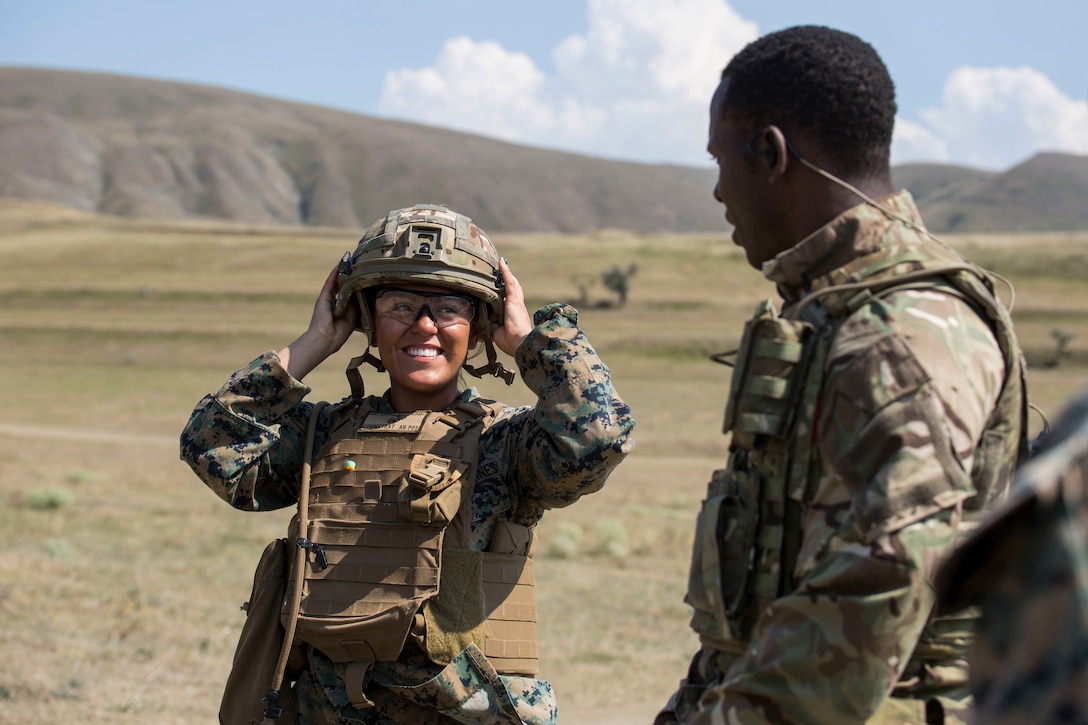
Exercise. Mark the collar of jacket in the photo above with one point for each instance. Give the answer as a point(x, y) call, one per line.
point(857, 232)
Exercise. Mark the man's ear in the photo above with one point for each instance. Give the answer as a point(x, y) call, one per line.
point(778, 158)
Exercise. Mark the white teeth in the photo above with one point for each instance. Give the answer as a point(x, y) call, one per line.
point(422, 351)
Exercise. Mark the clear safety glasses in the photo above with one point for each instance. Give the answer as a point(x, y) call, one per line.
point(406, 306)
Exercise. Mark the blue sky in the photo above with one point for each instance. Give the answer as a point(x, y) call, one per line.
point(980, 83)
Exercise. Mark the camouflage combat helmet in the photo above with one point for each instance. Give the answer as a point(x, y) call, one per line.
point(431, 245)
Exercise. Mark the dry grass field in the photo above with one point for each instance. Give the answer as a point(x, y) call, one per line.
point(122, 576)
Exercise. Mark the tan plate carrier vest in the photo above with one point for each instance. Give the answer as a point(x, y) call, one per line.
point(748, 531)
point(386, 533)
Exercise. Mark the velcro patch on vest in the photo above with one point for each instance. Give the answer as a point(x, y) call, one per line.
point(394, 422)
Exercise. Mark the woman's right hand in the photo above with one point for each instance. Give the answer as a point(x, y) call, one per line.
point(325, 334)
point(336, 330)
point(517, 322)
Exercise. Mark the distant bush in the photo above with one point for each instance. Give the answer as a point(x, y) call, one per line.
point(48, 498)
point(59, 549)
point(619, 281)
point(1062, 338)
point(564, 541)
point(612, 538)
point(81, 475)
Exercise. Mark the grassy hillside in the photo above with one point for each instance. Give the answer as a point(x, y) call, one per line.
point(121, 576)
point(144, 148)
point(1045, 193)
point(138, 147)
point(935, 183)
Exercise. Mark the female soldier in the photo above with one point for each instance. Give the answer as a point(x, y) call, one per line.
point(411, 598)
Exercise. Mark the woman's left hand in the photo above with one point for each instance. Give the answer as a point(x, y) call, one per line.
point(517, 324)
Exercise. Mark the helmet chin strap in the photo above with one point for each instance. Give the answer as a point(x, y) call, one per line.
point(355, 379)
point(493, 366)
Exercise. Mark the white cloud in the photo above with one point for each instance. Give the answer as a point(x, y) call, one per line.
point(994, 118)
point(635, 86)
point(473, 86)
point(913, 142)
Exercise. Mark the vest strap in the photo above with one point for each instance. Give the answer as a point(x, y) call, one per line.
point(355, 681)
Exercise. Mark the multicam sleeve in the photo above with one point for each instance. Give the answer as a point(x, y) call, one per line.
point(245, 440)
point(904, 379)
point(580, 429)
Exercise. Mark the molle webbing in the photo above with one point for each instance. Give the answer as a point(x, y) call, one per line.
point(766, 390)
point(363, 478)
point(390, 502)
point(356, 585)
point(371, 568)
point(762, 389)
point(510, 607)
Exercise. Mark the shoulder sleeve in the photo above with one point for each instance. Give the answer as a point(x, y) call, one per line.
point(911, 381)
point(578, 431)
point(245, 440)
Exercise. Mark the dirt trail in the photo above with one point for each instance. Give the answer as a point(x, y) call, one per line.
point(85, 435)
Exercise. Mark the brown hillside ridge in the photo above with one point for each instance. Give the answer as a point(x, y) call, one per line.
point(150, 148)
point(161, 149)
point(1046, 193)
point(1043, 194)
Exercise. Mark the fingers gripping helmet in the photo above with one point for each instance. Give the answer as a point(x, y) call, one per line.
point(432, 245)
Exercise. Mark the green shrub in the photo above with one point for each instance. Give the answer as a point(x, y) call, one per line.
point(612, 538)
point(48, 498)
point(81, 475)
point(564, 542)
point(59, 548)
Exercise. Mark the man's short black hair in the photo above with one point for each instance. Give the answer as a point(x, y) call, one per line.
point(826, 84)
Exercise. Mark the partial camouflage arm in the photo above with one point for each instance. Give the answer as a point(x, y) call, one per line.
point(1027, 569)
point(579, 430)
point(245, 440)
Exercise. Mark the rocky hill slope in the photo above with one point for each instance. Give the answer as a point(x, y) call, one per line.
point(149, 148)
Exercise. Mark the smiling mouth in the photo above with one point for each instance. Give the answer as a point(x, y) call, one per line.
point(421, 351)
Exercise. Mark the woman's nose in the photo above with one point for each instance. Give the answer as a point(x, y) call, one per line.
point(425, 319)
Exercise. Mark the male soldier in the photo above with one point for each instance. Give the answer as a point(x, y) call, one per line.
point(1027, 569)
point(879, 406)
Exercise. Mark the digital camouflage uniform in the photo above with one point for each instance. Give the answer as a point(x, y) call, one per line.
point(1027, 569)
point(246, 443)
point(864, 421)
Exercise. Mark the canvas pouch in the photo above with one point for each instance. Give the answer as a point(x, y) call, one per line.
point(259, 645)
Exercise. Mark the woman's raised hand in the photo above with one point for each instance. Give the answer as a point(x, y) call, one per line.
point(517, 324)
point(326, 333)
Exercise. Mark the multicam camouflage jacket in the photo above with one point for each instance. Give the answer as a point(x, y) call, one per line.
point(885, 401)
point(246, 443)
point(1026, 568)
